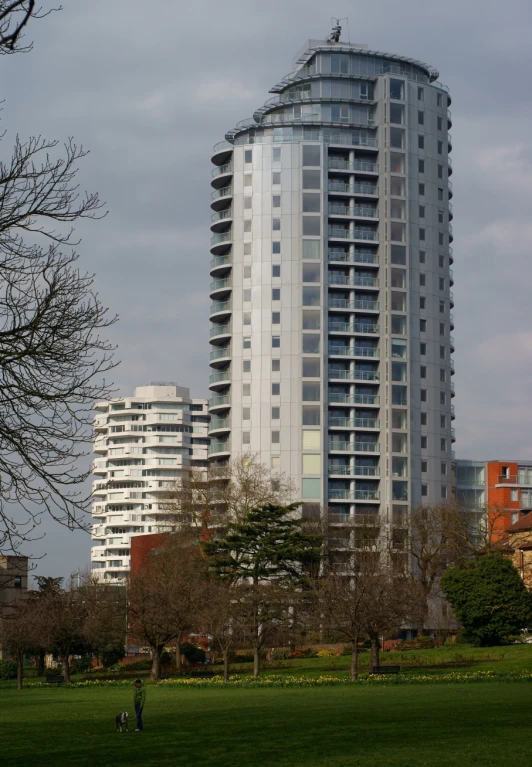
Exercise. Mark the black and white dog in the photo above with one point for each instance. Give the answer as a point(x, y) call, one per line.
point(121, 721)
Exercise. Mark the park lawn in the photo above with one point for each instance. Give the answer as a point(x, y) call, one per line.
point(451, 725)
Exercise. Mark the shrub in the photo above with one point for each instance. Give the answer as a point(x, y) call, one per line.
point(281, 654)
point(8, 669)
point(297, 654)
point(192, 653)
point(52, 672)
point(325, 654)
point(110, 657)
point(81, 666)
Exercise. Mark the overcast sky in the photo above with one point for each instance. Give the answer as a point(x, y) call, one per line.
point(150, 87)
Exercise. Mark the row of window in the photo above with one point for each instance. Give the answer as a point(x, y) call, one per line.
point(397, 92)
point(397, 113)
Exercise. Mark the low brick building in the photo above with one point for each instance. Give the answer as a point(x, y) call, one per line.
point(517, 546)
point(13, 583)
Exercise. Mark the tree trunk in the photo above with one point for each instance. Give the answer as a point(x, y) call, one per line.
point(20, 670)
point(156, 662)
point(256, 662)
point(375, 651)
point(178, 664)
point(40, 663)
point(354, 659)
point(66, 668)
point(226, 666)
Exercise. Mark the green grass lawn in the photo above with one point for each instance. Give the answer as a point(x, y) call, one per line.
point(464, 725)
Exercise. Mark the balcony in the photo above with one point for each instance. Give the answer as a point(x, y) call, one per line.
point(353, 351)
point(358, 281)
point(353, 375)
point(221, 308)
point(222, 285)
point(218, 446)
point(220, 219)
point(220, 241)
point(221, 197)
point(358, 304)
point(223, 352)
point(354, 399)
point(357, 234)
point(507, 479)
point(354, 495)
point(357, 327)
point(221, 401)
point(338, 187)
point(221, 262)
point(354, 423)
point(220, 424)
point(221, 175)
point(357, 166)
point(353, 447)
point(358, 257)
point(341, 469)
point(359, 211)
point(220, 330)
point(220, 379)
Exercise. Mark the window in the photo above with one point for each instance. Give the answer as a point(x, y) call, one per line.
point(398, 348)
point(311, 343)
point(440, 238)
point(276, 389)
point(398, 419)
point(421, 234)
point(247, 179)
point(339, 113)
point(397, 162)
point(311, 464)
point(246, 366)
point(397, 138)
point(246, 342)
point(311, 439)
point(246, 390)
point(276, 366)
point(424, 419)
point(247, 249)
point(442, 398)
point(311, 154)
point(311, 320)
point(311, 367)
point(443, 467)
point(276, 201)
point(397, 89)
point(275, 437)
point(247, 203)
point(442, 352)
point(311, 249)
point(311, 296)
point(444, 492)
point(440, 217)
point(276, 224)
point(311, 202)
point(17, 582)
point(276, 154)
point(397, 114)
point(246, 318)
point(422, 211)
point(276, 461)
point(514, 517)
point(442, 328)
point(311, 415)
point(311, 225)
point(440, 147)
point(443, 421)
point(422, 255)
point(276, 342)
point(399, 395)
point(514, 495)
point(424, 467)
point(398, 302)
point(423, 395)
point(421, 190)
point(311, 391)
point(248, 156)
point(247, 225)
point(247, 272)
point(276, 248)
point(439, 123)
point(276, 270)
point(420, 118)
point(423, 371)
point(397, 209)
point(311, 179)
point(423, 326)
point(423, 443)
point(246, 413)
point(442, 307)
point(246, 295)
point(310, 488)
point(420, 94)
point(398, 278)
point(397, 231)
point(443, 444)
point(246, 435)
point(276, 413)
point(423, 349)
point(439, 99)
point(421, 166)
point(399, 372)
point(440, 171)
point(276, 294)
point(424, 490)
point(442, 375)
point(422, 302)
point(397, 186)
point(398, 325)
point(421, 142)
point(276, 177)
point(311, 272)
point(398, 254)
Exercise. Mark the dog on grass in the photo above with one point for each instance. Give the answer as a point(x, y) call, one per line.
point(121, 721)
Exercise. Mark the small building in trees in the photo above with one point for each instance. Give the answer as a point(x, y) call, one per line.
point(13, 583)
point(517, 546)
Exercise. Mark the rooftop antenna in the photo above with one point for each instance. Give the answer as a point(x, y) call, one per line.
point(336, 33)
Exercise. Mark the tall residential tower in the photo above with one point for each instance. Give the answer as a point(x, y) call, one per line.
point(331, 284)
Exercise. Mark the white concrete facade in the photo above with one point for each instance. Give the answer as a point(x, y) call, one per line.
point(142, 444)
point(331, 338)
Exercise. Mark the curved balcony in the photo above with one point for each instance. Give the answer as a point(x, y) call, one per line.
point(340, 233)
point(355, 211)
point(219, 448)
point(219, 264)
point(340, 187)
point(451, 255)
point(222, 175)
point(451, 320)
point(358, 166)
point(453, 393)
point(354, 399)
point(354, 495)
point(354, 423)
point(449, 167)
point(352, 351)
point(336, 374)
point(451, 277)
point(221, 286)
point(219, 425)
point(220, 310)
point(219, 402)
point(450, 190)
point(221, 197)
point(342, 470)
point(221, 219)
point(344, 327)
point(220, 356)
point(451, 299)
point(220, 333)
point(221, 153)
point(220, 242)
point(339, 446)
point(358, 304)
point(358, 281)
point(449, 120)
point(358, 257)
point(220, 379)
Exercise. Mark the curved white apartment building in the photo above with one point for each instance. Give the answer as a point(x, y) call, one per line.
point(142, 444)
point(331, 285)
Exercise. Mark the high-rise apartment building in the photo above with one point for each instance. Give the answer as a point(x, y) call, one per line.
point(143, 443)
point(331, 284)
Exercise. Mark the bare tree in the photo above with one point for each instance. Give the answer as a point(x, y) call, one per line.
point(14, 17)
point(217, 614)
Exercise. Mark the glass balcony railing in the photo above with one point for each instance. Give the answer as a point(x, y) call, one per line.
point(353, 188)
point(220, 399)
point(354, 399)
point(221, 169)
point(220, 330)
point(221, 214)
point(355, 234)
point(220, 284)
point(354, 495)
point(217, 239)
point(358, 280)
point(224, 191)
point(224, 351)
point(357, 304)
point(353, 375)
point(221, 260)
point(354, 447)
point(357, 165)
point(357, 327)
point(354, 471)
point(221, 306)
point(223, 375)
point(363, 211)
point(219, 446)
point(219, 423)
point(358, 257)
point(354, 423)
point(353, 351)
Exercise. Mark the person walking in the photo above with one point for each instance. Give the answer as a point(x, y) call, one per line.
point(139, 699)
